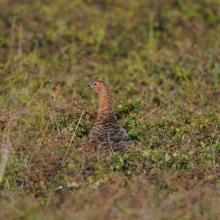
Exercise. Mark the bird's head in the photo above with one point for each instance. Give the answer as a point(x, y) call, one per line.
point(100, 87)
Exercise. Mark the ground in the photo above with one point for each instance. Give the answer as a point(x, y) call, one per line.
point(161, 60)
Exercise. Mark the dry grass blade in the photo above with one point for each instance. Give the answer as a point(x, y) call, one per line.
point(175, 93)
point(53, 110)
point(110, 142)
point(74, 134)
point(4, 159)
point(154, 110)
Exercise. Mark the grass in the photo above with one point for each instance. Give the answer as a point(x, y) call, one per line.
point(161, 61)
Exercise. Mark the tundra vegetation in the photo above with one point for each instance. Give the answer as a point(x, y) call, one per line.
point(161, 60)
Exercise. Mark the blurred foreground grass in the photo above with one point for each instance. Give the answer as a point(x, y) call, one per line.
point(161, 60)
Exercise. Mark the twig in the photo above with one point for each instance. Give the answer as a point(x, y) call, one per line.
point(73, 136)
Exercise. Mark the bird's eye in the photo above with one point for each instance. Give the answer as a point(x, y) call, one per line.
point(95, 84)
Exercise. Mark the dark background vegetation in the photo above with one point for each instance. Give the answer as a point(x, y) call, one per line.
point(161, 60)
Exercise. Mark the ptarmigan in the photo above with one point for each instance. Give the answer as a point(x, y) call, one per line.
point(106, 134)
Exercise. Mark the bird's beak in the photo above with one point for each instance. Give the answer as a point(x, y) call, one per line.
point(89, 85)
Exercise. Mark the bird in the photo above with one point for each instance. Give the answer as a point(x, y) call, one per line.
point(106, 135)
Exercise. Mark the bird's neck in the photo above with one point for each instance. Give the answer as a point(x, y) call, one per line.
point(105, 109)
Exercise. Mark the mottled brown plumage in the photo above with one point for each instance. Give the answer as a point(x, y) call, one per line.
point(106, 133)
